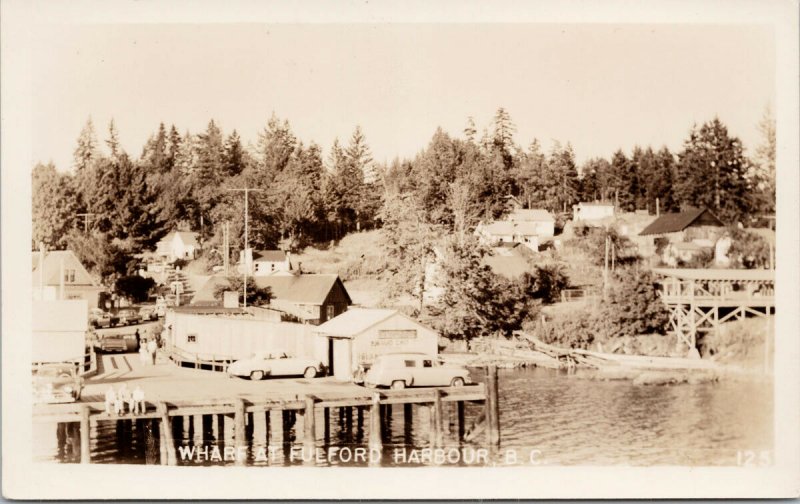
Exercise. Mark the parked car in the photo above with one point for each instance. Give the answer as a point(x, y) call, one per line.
point(113, 343)
point(258, 366)
point(402, 370)
point(98, 318)
point(56, 383)
point(128, 316)
point(148, 313)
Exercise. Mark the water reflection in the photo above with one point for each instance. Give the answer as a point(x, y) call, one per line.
point(568, 420)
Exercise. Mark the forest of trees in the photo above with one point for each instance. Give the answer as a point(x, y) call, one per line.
point(185, 181)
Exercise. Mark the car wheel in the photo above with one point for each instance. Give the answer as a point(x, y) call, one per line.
point(310, 372)
point(457, 382)
point(398, 385)
point(256, 375)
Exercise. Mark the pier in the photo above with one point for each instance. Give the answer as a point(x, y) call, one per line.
point(181, 401)
point(699, 300)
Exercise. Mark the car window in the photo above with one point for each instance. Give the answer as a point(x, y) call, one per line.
point(411, 363)
point(427, 363)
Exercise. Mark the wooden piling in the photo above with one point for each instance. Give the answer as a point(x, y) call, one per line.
point(85, 453)
point(151, 430)
point(375, 441)
point(239, 428)
point(309, 424)
point(166, 428)
point(326, 419)
point(437, 412)
point(460, 420)
point(492, 408)
point(276, 426)
point(197, 429)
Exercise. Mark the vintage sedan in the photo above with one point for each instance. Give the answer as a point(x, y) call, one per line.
point(260, 365)
point(402, 370)
point(98, 318)
point(56, 383)
point(128, 316)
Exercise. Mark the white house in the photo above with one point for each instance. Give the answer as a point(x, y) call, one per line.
point(265, 262)
point(359, 335)
point(499, 232)
point(59, 274)
point(543, 220)
point(178, 245)
point(593, 212)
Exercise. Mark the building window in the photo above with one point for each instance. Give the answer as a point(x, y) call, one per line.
point(272, 266)
point(410, 363)
point(330, 311)
point(191, 338)
point(69, 275)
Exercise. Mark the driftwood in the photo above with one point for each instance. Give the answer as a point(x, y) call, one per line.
point(599, 360)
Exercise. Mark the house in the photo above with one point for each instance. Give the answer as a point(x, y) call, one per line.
point(59, 274)
point(543, 220)
point(358, 336)
point(593, 213)
point(178, 245)
point(59, 330)
point(265, 262)
point(311, 298)
point(503, 231)
point(681, 236)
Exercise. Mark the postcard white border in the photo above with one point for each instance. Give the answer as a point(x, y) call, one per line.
point(23, 479)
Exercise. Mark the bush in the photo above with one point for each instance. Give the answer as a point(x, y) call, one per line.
point(134, 287)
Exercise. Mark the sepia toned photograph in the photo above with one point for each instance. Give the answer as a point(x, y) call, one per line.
point(264, 246)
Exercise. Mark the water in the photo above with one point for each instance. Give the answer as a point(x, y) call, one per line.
point(546, 417)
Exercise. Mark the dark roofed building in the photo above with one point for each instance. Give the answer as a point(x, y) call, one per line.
point(679, 222)
point(313, 299)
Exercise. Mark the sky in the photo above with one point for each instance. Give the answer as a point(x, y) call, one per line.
point(600, 87)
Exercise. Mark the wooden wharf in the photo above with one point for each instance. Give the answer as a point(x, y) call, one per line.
point(272, 416)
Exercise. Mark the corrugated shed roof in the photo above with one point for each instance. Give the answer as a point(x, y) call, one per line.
point(532, 215)
point(355, 321)
point(676, 222)
point(269, 255)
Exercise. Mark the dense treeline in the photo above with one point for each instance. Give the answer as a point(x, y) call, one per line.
point(188, 181)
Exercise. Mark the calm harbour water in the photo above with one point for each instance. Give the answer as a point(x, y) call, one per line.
point(546, 417)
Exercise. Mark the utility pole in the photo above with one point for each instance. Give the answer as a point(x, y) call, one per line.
point(226, 244)
point(246, 191)
point(85, 216)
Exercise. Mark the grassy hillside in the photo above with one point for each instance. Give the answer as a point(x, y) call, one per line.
point(356, 256)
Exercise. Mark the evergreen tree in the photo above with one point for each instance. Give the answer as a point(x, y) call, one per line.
point(503, 137)
point(54, 205)
point(275, 146)
point(469, 130)
point(113, 140)
point(234, 155)
point(86, 151)
point(173, 148)
point(712, 172)
point(765, 163)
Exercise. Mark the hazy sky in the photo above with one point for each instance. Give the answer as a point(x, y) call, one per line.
point(600, 87)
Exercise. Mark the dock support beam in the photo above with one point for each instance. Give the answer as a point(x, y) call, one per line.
point(85, 453)
point(239, 429)
point(309, 429)
point(438, 418)
point(375, 441)
point(460, 420)
point(492, 408)
point(168, 448)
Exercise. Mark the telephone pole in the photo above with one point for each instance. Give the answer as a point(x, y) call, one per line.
point(85, 216)
point(246, 191)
